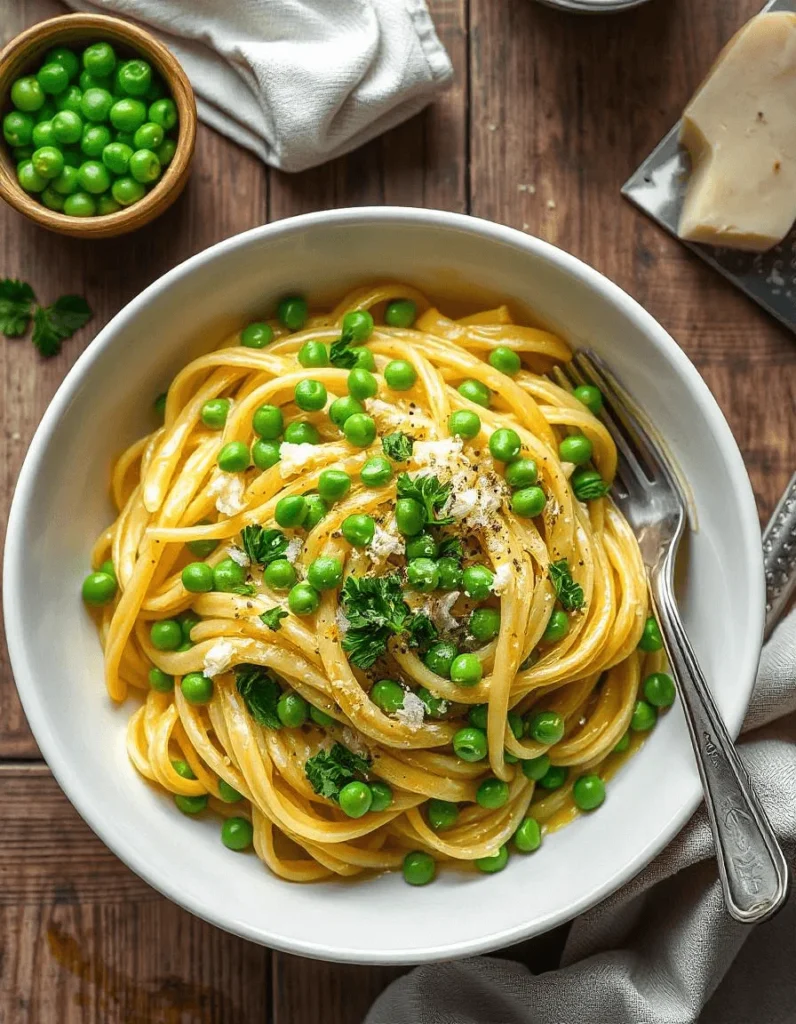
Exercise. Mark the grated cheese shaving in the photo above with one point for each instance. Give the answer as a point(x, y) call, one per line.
point(293, 550)
point(293, 457)
point(413, 711)
point(238, 556)
point(342, 621)
point(443, 454)
point(502, 578)
point(218, 658)
point(384, 544)
point(439, 611)
point(228, 488)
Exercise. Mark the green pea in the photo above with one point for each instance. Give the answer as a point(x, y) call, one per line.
point(96, 104)
point(659, 690)
point(484, 624)
point(387, 695)
point(66, 127)
point(651, 639)
point(202, 548)
point(134, 77)
point(156, 90)
point(410, 516)
point(576, 448)
point(419, 868)
point(421, 546)
point(236, 833)
point(291, 511)
point(400, 375)
point(400, 313)
point(214, 413)
point(450, 574)
point(381, 794)
point(51, 199)
point(268, 422)
point(279, 574)
point(303, 599)
point(43, 135)
point(160, 681)
point(360, 430)
point(364, 359)
point(187, 621)
point(197, 688)
point(301, 432)
point(66, 183)
point(197, 577)
point(165, 151)
point(70, 99)
point(310, 395)
point(355, 799)
point(644, 717)
point(470, 744)
point(293, 312)
point(228, 793)
point(164, 113)
point(233, 457)
point(477, 581)
point(505, 444)
point(182, 768)
point(435, 706)
point(107, 566)
point(148, 136)
point(18, 128)
point(588, 792)
point(440, 656)
point(191, 804)
point(376, 472)
point(80, 204)
point(333, 484)
point(144, 166)
point(505, 360)
point(521, 474)
point(535, 768)
point(93, 177)
point(313, 353)
point(292, 710)
point(165, 635)
point(127, 114)
point(66, 58)
point(29, 178)
point(358, 324)
point(99, 59)
point(492, 793)
point(27, 95)
point(555, 777)
point(516, 724)
point(422, 574)
point(464, 423)
point(342, 408)
point(362, 384)
point(478, 715)
point(622, 744)
point(498, 861)
point(441, 814)
point(466, 670)
point(99, 588)
point(316, 511)
point(590, 396)
point(528, 836)
point(359, 529)
point(256, 335)
point(325, 573)
point(53, 78)
point(127, 191)
point(228, 576)
point(528, 502)
point(545, 727)
point(475, 391)
point(320, 718)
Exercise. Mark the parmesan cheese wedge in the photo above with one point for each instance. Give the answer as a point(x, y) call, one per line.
point(740, 133)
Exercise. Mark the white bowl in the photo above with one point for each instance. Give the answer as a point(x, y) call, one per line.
point(61, 505)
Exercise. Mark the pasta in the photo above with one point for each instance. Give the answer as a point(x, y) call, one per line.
point(366, 578)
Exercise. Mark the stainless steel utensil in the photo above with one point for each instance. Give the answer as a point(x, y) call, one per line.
point(753, 869)
point(779, 556)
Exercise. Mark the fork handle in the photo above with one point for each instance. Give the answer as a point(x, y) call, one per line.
point(752, 866)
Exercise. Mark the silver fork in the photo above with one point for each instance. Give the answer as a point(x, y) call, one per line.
point(753, 869)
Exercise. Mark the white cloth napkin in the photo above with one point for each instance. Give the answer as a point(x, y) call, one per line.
point(662, 950)
point(298, 81)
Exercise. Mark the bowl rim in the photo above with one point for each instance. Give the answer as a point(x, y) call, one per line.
point(50, 32)
point(79, 792)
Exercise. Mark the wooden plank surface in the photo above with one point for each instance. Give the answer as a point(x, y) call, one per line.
point(548, 115)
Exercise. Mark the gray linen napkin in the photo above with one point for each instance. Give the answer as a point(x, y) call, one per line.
point(662, 950)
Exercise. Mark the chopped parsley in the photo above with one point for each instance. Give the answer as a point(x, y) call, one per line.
point(260, 693)
point(422, 631)
point(569, 593)
point(263, 546)
point(589, 486)
point(273, 617)
point(428, 491)
point(341, 353)
point(16, 302)
point(329, 770)
point(54, 324)
point(398, 446)
point(451, 547)
point(376, 610)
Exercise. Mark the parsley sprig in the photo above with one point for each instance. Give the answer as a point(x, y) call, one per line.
point(429, 492)
point(51, 324)
point(263, 546)
point(341, 353)
point(273, 617)
point(451, 547)
point(329, 770)
point(569, 593)
point(260, 694)
point(376, 610)
point(397, 446)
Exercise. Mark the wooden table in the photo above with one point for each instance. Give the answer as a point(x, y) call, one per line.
point(547, 116)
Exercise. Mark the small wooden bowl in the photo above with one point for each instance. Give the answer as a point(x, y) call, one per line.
point(24, 52)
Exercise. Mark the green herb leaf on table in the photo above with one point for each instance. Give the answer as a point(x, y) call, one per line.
point(273, 617)
point(430, 492)
point(376, 610)
point(329, 770)
point(54, 324)
point(16, 300)
point(260, 693)
point(263, 546)
point(569, 593)
point(398, 446)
